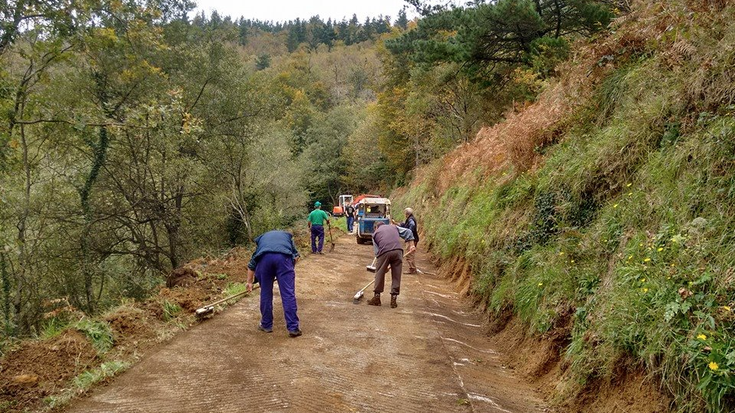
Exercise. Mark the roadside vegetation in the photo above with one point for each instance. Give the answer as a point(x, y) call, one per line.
point(604, 210)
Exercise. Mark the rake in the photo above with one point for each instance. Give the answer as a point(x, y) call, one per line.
point(370, 268)
point(208, 310)
point(361, 293)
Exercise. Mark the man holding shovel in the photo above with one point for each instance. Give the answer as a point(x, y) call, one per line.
point(316, 219)
point(389, 252)
point(275, 258)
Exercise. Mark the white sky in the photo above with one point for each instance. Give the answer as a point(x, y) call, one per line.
point(284, 10)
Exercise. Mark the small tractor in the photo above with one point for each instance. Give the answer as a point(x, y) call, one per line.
point(369, 212)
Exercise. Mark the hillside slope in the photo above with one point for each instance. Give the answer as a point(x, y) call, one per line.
point(599, 219)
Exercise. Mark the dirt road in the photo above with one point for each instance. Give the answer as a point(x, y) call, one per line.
point(427, 355)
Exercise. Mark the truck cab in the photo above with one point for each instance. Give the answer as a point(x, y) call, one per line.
point(369, 212)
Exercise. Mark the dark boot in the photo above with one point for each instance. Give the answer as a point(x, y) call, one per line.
point(375, 300)
point(393, 303)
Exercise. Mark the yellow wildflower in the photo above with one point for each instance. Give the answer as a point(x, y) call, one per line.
point(572, 261)
point(726, 308)
point(540, 284)
point(643, 280)
point(660, 249)
point(646, 260)
point(628, 186)
point(645, 290)
point(713, 366)
point(702, 337)
point(615, 206)
point(561, 253)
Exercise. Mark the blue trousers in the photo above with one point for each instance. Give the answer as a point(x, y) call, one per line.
point(317, 232)
point(350, 221)
point(270, 266)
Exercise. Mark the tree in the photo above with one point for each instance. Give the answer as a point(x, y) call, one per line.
point(498, 33)
point(263, 61)
point(323, 155)
point(315, 30)
point(402, 20)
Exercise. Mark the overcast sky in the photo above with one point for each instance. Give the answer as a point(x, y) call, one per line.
point(284, 10)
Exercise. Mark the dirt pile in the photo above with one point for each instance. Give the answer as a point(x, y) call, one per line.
point(41, 368)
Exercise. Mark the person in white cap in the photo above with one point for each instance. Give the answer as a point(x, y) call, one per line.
point(410, 224)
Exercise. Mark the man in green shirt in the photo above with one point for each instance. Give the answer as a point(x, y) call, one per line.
point(316, 224)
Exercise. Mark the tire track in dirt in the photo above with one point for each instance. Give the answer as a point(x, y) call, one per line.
point(428, 355)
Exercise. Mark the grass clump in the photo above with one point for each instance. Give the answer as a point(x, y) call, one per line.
point(98, 332)
point(53, 328)
point(86, 380)
point(104, 371)
point(170, 310)
point(234, 288)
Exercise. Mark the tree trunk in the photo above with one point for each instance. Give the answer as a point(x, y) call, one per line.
point(19, 301)
point(172, 227)
point(5, 277)
point(100, 154)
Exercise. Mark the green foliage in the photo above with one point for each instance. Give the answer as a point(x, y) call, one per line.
point(98, 332)
point(499, 32)
point(263, 61)
point(546, 53)
point(170, 310)
point(53, 327)
point(340, 223)
point(234, 288)
point(104, 371)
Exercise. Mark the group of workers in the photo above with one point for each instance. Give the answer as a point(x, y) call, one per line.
point(276, 255)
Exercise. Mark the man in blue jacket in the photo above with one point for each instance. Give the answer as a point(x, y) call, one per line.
point(410, 224)
point(275, 258)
